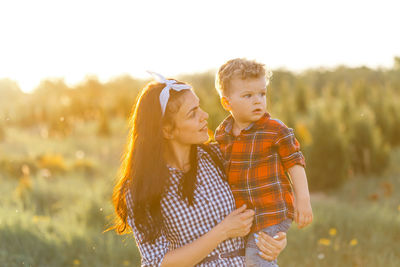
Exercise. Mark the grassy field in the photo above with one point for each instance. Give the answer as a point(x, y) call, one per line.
point(56, 215)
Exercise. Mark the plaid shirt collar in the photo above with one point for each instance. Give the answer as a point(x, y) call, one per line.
point(227, 124)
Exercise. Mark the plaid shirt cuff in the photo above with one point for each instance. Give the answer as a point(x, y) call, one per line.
point(296, 158)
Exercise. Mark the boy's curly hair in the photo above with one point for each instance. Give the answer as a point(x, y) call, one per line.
point(239, 68)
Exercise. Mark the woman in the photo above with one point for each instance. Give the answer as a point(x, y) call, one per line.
point(172, 190)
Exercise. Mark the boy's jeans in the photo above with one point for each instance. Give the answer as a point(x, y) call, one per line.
point(252, 256)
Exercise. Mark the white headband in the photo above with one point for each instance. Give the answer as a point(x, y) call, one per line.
point(169, 84)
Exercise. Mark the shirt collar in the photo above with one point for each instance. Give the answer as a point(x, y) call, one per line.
point(227, 124)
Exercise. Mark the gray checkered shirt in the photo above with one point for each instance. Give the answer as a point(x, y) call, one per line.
point(184, 223)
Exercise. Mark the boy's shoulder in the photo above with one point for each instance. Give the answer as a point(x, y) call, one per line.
point(276, 124)
point(271, 125)
point(223, 127)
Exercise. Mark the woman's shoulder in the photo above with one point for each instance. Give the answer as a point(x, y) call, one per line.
point(214, 155)
point(128, 201)
point(212, 147)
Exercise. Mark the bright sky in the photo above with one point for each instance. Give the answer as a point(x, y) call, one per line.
point(71, 39)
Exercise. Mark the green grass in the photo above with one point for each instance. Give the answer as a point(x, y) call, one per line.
point(59, 220)
point(374, 226)
point(365, 210)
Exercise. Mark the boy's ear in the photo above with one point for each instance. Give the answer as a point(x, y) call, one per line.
point(225, 103)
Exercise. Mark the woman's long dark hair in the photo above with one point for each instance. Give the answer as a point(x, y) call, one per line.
point(143, 169)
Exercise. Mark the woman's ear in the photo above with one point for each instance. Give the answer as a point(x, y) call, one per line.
point(225, 103)
point(167, 132)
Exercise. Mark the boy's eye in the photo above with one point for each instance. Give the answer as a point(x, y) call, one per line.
point(247, 95)
point(263, 94)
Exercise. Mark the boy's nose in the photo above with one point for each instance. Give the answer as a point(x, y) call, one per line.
point(259, 99)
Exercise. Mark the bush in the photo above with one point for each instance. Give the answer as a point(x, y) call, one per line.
point(59, 126)
point(41, 199)
point(84, 165)
point(104, 126)
point(2, 133)
point(394, 113)
point(327, 158)
point(301, 99)
point(12, 168)
point(369, 152)
point(53, 162)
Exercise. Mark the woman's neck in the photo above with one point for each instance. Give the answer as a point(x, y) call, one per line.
point(178, 156)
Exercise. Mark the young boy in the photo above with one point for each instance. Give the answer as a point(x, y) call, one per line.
point(260, 152)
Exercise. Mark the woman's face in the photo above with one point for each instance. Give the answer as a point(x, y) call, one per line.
point(190, 122)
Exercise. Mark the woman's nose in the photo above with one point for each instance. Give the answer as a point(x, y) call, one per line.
point(204, 115)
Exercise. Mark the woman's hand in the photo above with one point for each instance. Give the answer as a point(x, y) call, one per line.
point(271, 247)
point(237, 223)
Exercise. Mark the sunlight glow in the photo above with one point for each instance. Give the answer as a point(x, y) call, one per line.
point(72, 39)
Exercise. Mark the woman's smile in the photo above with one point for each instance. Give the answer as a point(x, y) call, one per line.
point(204, 128)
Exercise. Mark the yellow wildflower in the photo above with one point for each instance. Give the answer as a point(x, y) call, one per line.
point(324, 241)
point(332, 231)
point(126, 263)
point(38, 218)
point(77, 262)
point(353, 242)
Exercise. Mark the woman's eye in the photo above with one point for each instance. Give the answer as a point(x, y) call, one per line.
point(263, 94)
point(247, 95)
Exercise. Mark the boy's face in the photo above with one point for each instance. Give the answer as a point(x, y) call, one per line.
point(246, 99)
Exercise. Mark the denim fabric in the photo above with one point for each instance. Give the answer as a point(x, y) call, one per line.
point(252, 257)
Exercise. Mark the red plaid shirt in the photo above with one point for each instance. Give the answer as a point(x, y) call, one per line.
point(256, 163)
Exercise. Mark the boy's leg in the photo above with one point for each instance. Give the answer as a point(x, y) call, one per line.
point(252, 257)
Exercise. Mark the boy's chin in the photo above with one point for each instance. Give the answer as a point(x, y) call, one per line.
point(252, 117)
point(256, 116)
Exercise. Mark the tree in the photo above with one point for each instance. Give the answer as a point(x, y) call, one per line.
point(327, 158)
point(2, 132)
point(104, 125)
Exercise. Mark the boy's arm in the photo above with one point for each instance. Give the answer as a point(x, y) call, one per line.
point(293, 162)
point(303, 211)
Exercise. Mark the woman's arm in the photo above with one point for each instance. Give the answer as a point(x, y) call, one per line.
point(237, 223)
point(193, 253)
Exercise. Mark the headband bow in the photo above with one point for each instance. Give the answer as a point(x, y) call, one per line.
point(169, 84)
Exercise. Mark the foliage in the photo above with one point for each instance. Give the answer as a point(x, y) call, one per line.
point(362, 103)
point(327, 158)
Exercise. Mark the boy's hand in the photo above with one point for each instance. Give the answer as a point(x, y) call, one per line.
point(303, 215)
